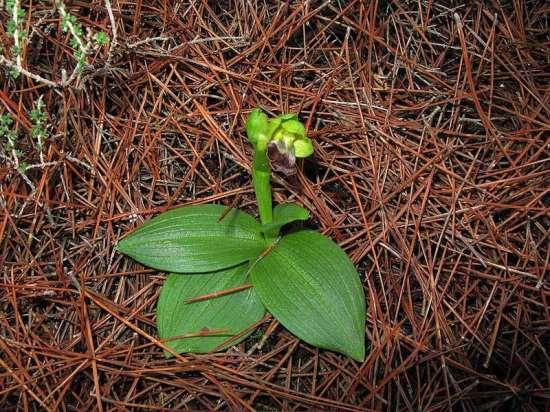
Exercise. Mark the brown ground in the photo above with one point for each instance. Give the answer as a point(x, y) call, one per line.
point(431, 170)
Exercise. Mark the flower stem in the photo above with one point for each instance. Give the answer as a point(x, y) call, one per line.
point(261, 177)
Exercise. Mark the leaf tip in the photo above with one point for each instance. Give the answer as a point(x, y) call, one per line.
point(122, 246)
point(357, 353)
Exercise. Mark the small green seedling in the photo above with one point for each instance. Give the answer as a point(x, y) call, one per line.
point(69, 24)
point(101, 38)
point(15, 30)
point(38, 131)
point(227, 268)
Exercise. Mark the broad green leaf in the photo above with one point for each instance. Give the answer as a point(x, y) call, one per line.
point(311, 286)
point(283, 214)
point(192, 239)
point(289, 212)
point(218, 319)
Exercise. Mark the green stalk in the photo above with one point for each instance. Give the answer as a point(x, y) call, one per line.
point(261, 178)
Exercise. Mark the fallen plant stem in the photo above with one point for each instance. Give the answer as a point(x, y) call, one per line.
point(218, 294)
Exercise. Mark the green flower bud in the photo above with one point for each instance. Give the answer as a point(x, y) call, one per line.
point(256, 128)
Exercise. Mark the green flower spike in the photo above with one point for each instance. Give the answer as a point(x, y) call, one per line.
point(277, 143)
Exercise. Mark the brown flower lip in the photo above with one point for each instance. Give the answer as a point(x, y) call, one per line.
point(280, 159)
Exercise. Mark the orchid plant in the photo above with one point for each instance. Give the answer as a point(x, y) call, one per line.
point(227, 269)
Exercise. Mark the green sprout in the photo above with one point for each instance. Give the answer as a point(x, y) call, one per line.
point(69, 24)
point(6, 131)
point(15, 30)
point(101, 38)
point(82, 43)
point(22, 167)
point(227, 269)
point(81, 47)
point(38, 131)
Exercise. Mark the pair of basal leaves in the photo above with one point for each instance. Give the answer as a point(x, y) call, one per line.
point(304, 279)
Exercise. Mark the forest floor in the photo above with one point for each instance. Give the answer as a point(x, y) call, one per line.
point(430, 122)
